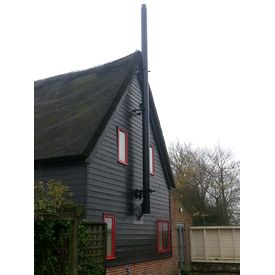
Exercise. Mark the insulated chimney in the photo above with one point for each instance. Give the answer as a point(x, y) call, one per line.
point(145, 117)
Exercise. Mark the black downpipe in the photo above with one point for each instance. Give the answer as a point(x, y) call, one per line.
point(145, 117)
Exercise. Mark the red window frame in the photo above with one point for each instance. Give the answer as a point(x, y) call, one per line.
point(160, 231)
point(153, 160)
point(126, 146)
point(112, 256)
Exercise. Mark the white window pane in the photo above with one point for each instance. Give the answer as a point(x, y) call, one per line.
point(160, 236)
point(165, 235)
point(122, 146)
point(151, 159)
point(108, 221)
point(109, 242)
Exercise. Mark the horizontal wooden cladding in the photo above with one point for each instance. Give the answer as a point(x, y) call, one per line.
point(113, 188)
point(130, 246)
point(123, 206)
point(111, 185)
point(101, 172)
point(107, 163)
point(136, 256)
point(60, 174)
point(108, 180)
point(120, 172)
point(70, 174)
point(124, 118)
point(134, 127)
point(131, 233)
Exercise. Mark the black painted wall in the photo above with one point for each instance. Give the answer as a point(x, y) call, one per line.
point(111, 185)
point(72, 174)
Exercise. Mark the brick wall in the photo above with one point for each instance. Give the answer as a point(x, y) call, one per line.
point(168, 266)
point(156, 267)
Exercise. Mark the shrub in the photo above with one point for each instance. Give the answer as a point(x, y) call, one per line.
point(52, 233)
point(51, 236)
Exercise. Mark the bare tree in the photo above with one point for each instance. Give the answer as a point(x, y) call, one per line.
point(208, 183)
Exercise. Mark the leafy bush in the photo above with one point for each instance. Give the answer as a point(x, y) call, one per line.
point(51, 199)
point(52, 233)
point(51, 246)
point(184, 272)
point(93, 269)
point(51, 236)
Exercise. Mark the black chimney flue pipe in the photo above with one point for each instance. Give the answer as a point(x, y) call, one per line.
point(145, 117)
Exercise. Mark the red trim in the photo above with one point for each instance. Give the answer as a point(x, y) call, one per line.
point(160, 225)
point(113, 250)
point(126, 146)
point(153, 173)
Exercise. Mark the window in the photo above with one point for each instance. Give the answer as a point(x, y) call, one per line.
point(122, 146)
point(152, 160)
point(110, 220)
point(163, 235)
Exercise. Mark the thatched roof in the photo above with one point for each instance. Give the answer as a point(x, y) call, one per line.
point(70, 110)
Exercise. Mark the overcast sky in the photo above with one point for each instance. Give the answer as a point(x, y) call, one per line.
point(199, 53)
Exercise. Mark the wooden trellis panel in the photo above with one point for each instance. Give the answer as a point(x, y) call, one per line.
point(92, 247)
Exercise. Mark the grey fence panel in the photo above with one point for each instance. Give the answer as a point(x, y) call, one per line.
point(215, 244)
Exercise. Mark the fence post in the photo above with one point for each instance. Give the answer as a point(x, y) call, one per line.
point(73, 248)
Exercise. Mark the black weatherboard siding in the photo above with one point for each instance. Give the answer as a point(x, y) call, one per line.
point(70, 173)
point(111, 185)
point(76, 117)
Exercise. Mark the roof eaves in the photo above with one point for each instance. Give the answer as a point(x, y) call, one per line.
point(61, 159)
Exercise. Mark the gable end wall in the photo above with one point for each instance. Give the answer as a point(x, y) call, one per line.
point(111, 185)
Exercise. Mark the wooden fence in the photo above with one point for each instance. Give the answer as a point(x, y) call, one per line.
point(215, 244)
point(80, 246)
point(92, 248)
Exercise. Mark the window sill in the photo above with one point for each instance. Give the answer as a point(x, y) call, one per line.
point(122, 162)
point(164, 251)
point(110, 258)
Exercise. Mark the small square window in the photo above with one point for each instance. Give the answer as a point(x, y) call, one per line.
point(163, 236)
point(152, 160)
point(122, 145)
point(110, 220)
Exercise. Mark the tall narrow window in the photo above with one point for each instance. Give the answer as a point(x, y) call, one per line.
point(152, 160)
point(122, 146)
point(110, 220)
point(163, 235)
